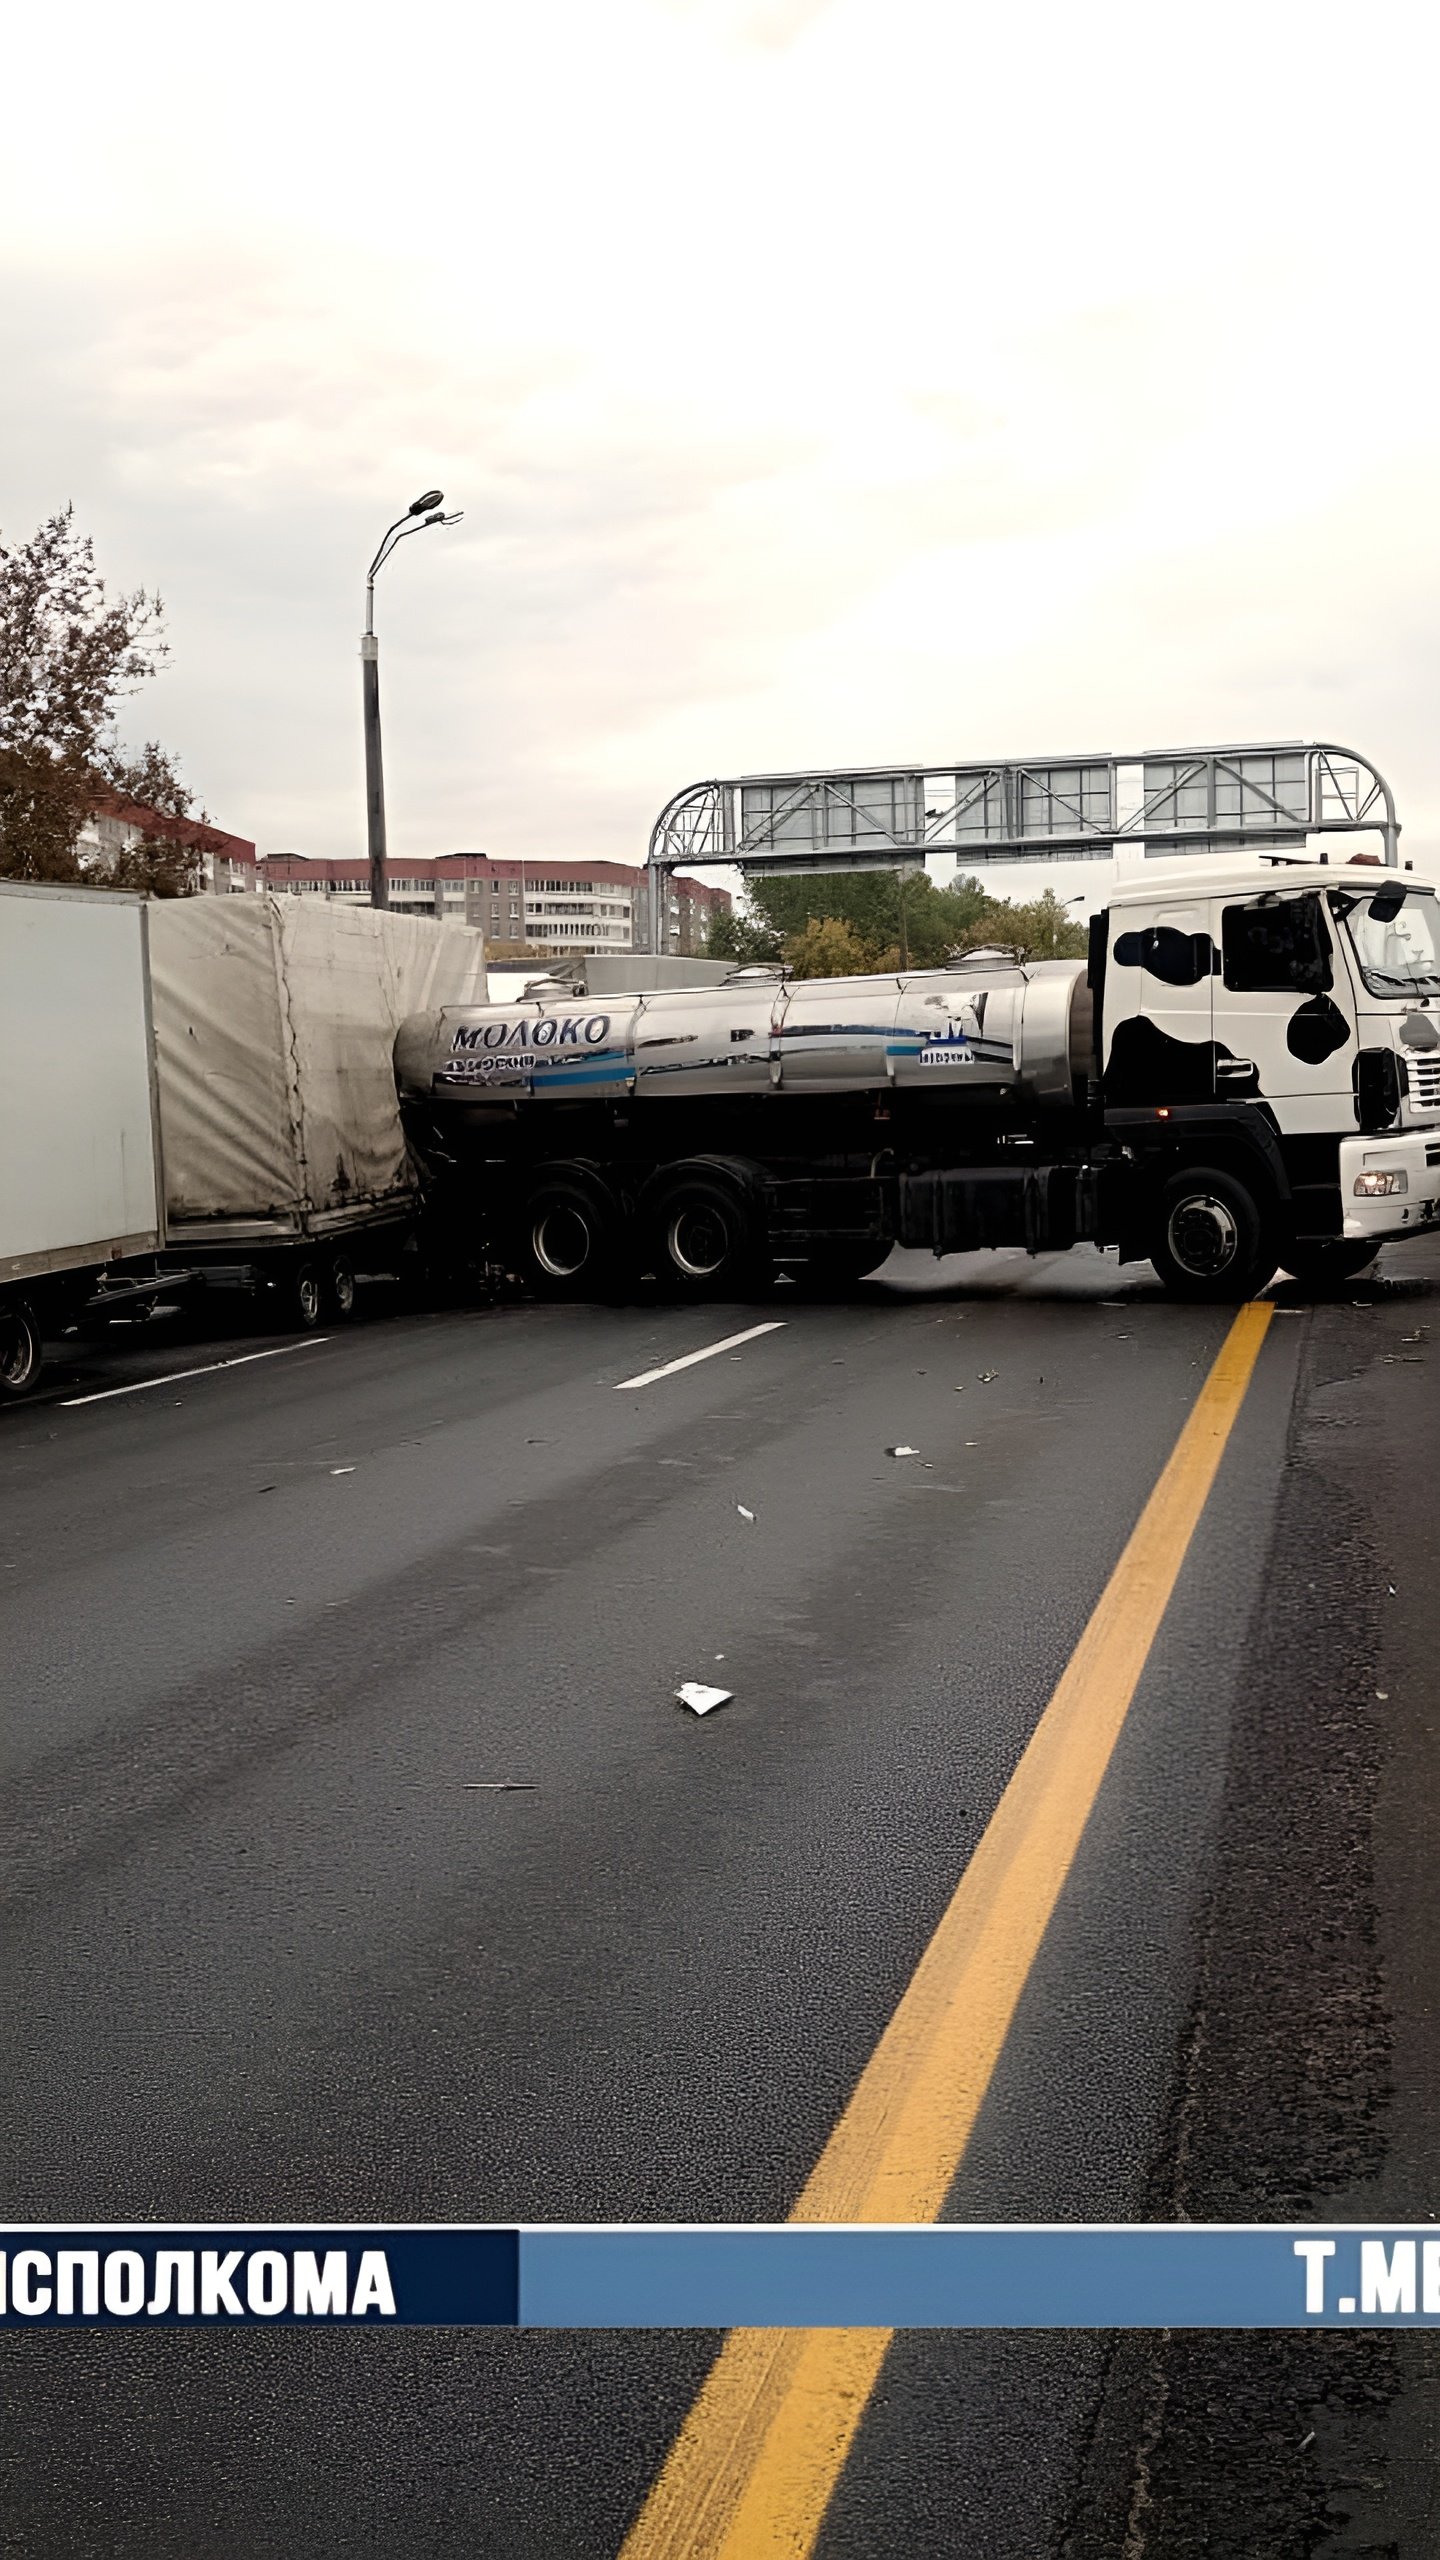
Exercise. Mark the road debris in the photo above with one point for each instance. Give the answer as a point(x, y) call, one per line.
point(499, 1786)
point(701, 1700)
point(744, 1514)
point(902, 1449)
point(987, 1377)
point(342, 1471)
point(1382, 1695)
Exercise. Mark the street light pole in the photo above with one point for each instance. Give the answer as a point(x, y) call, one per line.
point(422, 512)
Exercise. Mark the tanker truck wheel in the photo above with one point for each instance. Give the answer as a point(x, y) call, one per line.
point(708, 1237)
point(1328, 1265)
point(21, 1350)
point(568, 1237)
point(1210, 1237)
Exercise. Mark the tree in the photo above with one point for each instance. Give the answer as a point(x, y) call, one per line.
point(69, 654)
point(168, 862)
point(890, 919)
point(1040, 931)
point(745, 940)
point(828, 947)
point(899, 910)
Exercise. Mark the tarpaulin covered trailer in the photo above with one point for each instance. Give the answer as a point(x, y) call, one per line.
point(203, 1087)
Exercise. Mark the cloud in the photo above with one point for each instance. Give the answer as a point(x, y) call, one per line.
point(820, 383)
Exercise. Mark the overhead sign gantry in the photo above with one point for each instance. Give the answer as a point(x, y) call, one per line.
point(1246, 799)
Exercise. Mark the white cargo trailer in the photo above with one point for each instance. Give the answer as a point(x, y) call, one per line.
point(201, 1089)
point(79, 1156)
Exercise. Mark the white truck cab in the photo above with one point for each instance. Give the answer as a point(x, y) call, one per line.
point(1304, 1001)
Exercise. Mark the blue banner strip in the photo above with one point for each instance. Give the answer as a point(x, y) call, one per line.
point(723, 2276)
point(950, 2276)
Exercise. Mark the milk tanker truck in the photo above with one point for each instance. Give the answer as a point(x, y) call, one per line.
point(1245, 1075)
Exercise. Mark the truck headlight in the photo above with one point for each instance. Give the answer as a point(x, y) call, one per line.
point(1380, 1186)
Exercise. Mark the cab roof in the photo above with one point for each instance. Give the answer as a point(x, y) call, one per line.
point(1199, 878)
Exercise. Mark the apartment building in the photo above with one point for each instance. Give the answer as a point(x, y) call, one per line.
point(541, 906)
point(116, 825)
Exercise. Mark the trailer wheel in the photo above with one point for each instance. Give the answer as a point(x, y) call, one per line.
point(1210, 1237)
point(303, 1296)
point(22, 1352)
point(709, 1238)
point(568, 1238)
point(340, 1289)
point(1327, 1266)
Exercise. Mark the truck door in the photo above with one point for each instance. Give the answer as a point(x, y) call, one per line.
point(1279, 1030)
point(1159, 1041)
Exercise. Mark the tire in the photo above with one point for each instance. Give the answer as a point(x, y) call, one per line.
point(568, 1242)
point(1211, 1239)
point(340, 1290)
point(707, 1235)
point(1327, 1266)
point(22, 1352)
point(302, 1297)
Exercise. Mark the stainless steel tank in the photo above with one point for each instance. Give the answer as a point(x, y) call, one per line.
point(985, 1024)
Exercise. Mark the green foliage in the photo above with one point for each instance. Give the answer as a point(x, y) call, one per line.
point(1041, 930)
point(165, 863)
point(69, 654)
point(900, 911)
point(827, 947)
point(744, 940)
point(43, 802)
point(844, 923)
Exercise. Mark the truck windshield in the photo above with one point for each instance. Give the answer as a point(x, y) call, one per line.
point(1394, 938)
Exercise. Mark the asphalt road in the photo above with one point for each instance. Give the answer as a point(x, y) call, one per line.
point(274, 1949)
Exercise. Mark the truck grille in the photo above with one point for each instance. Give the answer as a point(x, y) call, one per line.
point(1425, 1082)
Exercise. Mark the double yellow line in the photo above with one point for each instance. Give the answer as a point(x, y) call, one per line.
point(755, 2465)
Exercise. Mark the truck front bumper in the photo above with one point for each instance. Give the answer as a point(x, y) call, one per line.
point(1415, 1156)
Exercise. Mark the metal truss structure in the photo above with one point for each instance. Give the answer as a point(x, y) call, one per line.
point(1246, 799)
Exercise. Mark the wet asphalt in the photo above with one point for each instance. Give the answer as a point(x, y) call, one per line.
point(275, 1950)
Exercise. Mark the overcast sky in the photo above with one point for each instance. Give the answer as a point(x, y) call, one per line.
point(824, 381)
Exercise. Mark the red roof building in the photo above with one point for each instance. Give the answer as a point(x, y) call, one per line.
point(118, 825)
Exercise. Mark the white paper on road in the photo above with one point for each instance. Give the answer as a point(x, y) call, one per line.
point(695, 1695)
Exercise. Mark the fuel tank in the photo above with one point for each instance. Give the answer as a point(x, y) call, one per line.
point(987, 1024)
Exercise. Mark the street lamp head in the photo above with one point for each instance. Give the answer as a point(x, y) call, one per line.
point(422, 506)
